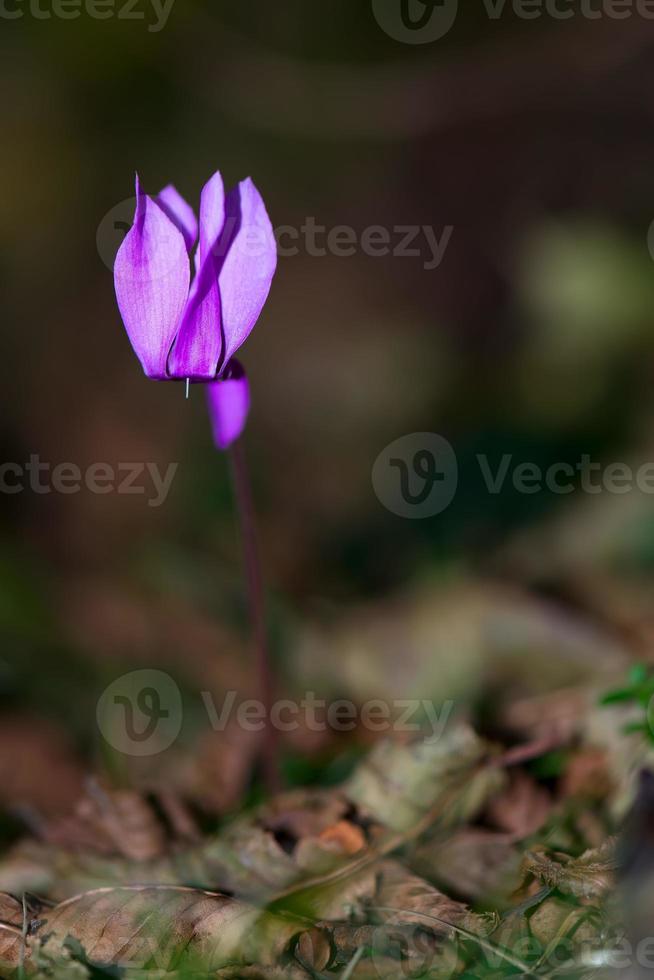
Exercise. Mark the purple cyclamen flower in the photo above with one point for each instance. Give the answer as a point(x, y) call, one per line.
point(185, 326)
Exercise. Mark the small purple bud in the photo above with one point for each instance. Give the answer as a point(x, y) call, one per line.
point(228, 399)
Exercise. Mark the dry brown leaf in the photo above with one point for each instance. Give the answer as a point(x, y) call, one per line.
point(521, 808)
point(397, 784)
point(246, 859)
point(126, 820)
point(473, 862)
point(166, 929)
point(58, 873)
point(311, 829)
point(12, 946)
point(15, 919)
point(415, 900)
point(589, 876)
point(346, 837)
point(179, 816)
point(303, 813)
point(11, 910)
point(31, 750)
point(587, 775)
point(553, 715)
point(261, 855)
point(555, 918)
point(11, 929)
point(215, 775)
point(315, 856)
point(109, 822)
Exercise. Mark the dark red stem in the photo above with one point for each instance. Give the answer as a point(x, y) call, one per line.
point(245, 506)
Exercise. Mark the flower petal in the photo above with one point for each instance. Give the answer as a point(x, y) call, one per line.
point(180, 213)
point(212, 214)
point(250, 260)
point(199, 344)
point(229, 405)
point(151, 278)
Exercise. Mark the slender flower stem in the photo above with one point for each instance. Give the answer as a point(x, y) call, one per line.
point(245, 506)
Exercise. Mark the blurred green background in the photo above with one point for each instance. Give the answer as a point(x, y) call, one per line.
point(533, 139)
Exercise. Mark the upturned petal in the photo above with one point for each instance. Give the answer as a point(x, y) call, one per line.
point(180, 213)
point(229, 405)
point(249, 263)
point(212, 216)
point(198, 348)
point(151, 278)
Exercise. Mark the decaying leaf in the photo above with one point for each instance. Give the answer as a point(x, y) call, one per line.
point(345, 837)
point(369, 880)
point(246, 859)
point(31, 749)
point(398, 784)
point(123, 822)
point(521, 808)
point(216, 773)
point(555, 920)
point(59, 873)
point(472, 862)
point(291, 838)
point(587, 877)
point(12, 945)
point(315, 828)
point(412, 899)
point(166, 930)
point(11, 910)
point(587, 775)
